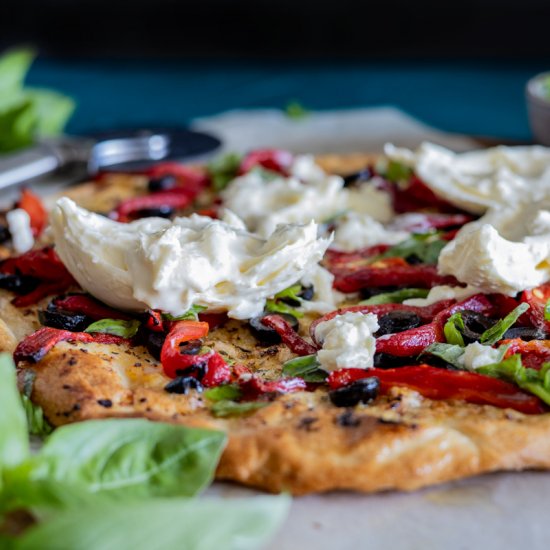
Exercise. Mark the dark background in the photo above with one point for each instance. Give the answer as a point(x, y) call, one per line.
point(283, 28)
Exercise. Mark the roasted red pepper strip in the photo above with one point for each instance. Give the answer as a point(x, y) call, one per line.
point(35, 209)
point(426, 313)
point(129, 207)
point(421, 276)
point(436, 383)
point(155, 322)
point(418, 196)
point(288, 335)
point(86, 305)
point(537, 299)
point(533, 354)
point(275, 160)
point(191, 178)
point(413, 341)
point(213, 319)
point(336, 258)
point(254, 387)
point(37, 345)
point(217, 371)
point(182, 331)
point(45, 266)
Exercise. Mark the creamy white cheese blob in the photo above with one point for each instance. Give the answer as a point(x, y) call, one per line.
point(347, 341)
point(477, 355)
point(354, 231)
point(308, 194)
point(172, 265)
point(19, 224)
point(478, 180)
point(506, 251)
point(443, 292)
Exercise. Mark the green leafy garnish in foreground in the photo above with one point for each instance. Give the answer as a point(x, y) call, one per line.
point(116, 327)
point(205, 524)
point(223, 169)
point(496, 332)
point(131, 457)
point(512, 370)
point(395, 297)
point(37, 424)
point(306, 367)
point(26, 113)
point(225, 407)
point(425, 247)
point(192, 314)
point(14, 439)
point(453, 329)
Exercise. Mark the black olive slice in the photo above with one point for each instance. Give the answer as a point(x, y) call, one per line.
point(20, 284)
point(75, 322)
point(266, 335)
point(164, 211)
point(364, 391)
point(183, 385)
point(397, 321)
point(525, 333)
point(475, 324)
point(162, 183)
point(192, 347)
point(307, 293)
point(357, 177)
point(387, 361)
point(4, 234)
point(154, 342)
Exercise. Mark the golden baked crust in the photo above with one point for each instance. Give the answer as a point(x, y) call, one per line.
point(300, 442)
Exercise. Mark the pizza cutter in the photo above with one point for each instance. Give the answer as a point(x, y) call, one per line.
point(117, 150)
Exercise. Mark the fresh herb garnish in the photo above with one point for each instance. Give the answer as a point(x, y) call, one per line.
point(192, 314)
point(280, 303)
point(36, 422)
point(26, 113)
point(227, 392)
point(223, 170)
point(225, 407)
point(450, 353)
point(306, 367)
point(496, 332)
point(453, 329)
point(296, 110)
point(116, 327)
point(547, 311)
point(397, 172)
point(396, 297)
point(512, 370)
point(424, 247)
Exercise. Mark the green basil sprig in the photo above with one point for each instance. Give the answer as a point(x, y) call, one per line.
point(306, 367)
point(226, 408)
point(395, 297)
point(496, 332)
point(223, 169)
point(453, 329)
point(116, 327)
point(192, 314)
point(291, 294)
point(426, 247)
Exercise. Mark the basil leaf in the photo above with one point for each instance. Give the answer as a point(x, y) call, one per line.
point(453, 329)
point(53, 110)
point(547, 311)
point(277, 306)
point(222, 170)
point(14, 65)
point(225, 408)
point(239, 524)
point(14, 439)
point(130, 457)
point(425, 247)
point(17, 126)
point(396, 297)
point(37, 424)
point(496, 332)
point(396, 172)
point(191, 314)
point(512, 370)
point(296, 111)
point(116, 327)
point(448, 352)
point(220, 393)
point(306, 367)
